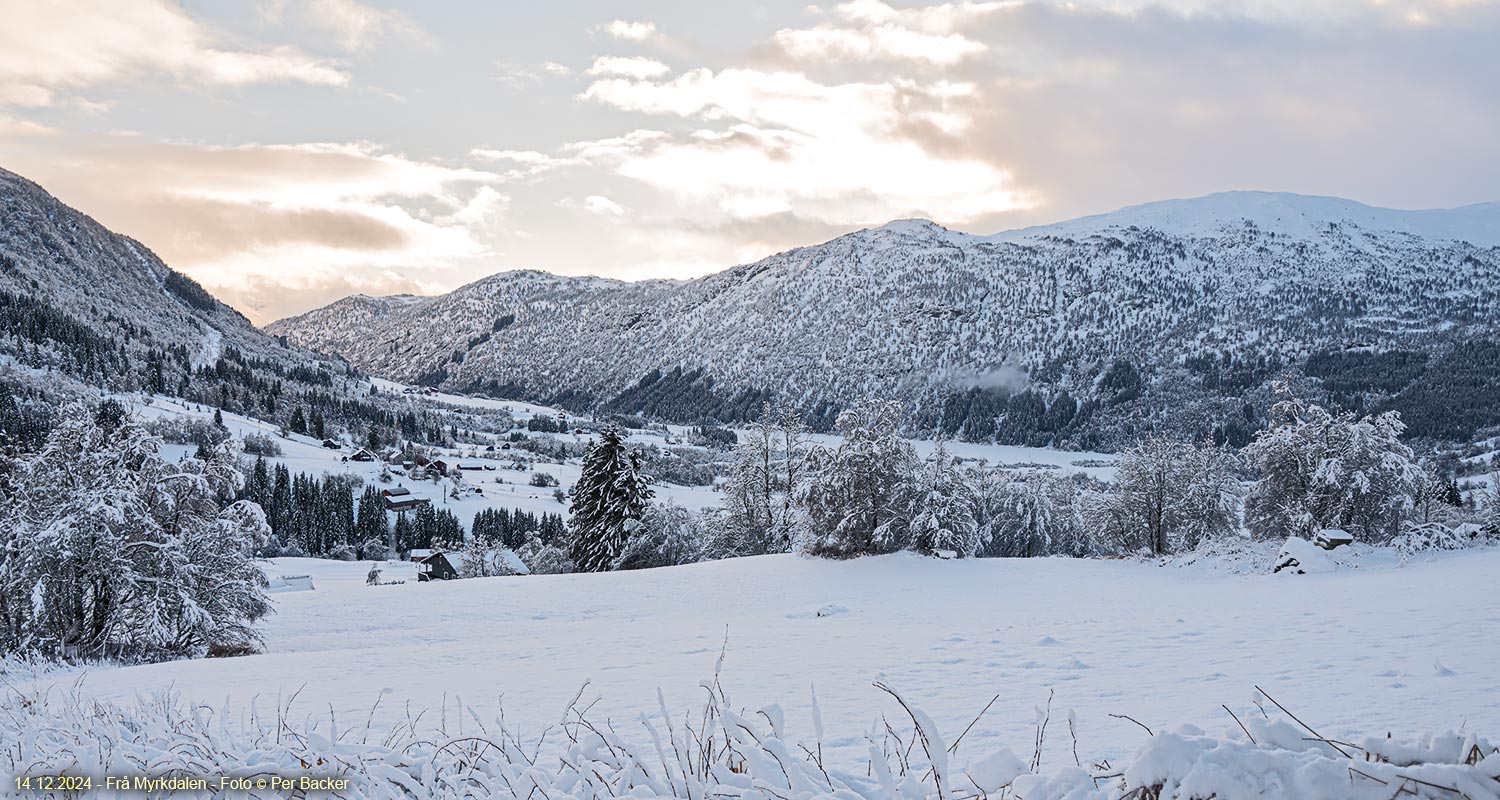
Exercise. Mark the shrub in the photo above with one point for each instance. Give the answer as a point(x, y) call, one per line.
point(257, 444)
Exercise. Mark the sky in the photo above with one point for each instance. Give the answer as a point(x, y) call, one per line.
point(286, 153)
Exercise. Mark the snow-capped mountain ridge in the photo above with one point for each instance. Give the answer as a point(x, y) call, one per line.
point(1192, 304)
point(1297, 215)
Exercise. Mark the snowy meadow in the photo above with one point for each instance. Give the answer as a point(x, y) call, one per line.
point(1359, 652)
point(850, 614)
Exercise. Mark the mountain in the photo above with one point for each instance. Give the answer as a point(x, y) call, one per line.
point(84, 309)
point(1176, 315)
point(110, 284)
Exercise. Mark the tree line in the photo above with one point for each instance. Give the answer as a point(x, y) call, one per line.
point(1310, 469)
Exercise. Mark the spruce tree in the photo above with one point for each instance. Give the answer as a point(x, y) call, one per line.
point(608, 502)
point(404, 534)
point(370, 521)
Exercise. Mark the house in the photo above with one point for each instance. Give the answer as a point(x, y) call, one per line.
point(489, 449)
point(399, 498)
point(471, 467)
point(405, 503)
point(362, 455)
point(330, 444)
point(435, 567)
point(439, 466)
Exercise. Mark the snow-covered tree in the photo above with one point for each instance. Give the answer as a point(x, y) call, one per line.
point(480, 560)
point(850, 495)
point(1437, 499)
point(667, 537)
point(1322, 470)
point(758, 496)
point(608, 500)
point(1166, 497)
point(370, 521)
point(940, 508)
point(110, 550)
point(544, 558)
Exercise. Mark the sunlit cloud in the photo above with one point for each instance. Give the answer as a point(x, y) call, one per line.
point(352, 24)
point(630, 31)
point(869, 30)
point(785, 142)
point(594, 204)
point(635, 67)
point(50, 48)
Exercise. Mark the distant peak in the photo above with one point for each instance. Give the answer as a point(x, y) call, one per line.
point(1297, 215)
point(911, 225)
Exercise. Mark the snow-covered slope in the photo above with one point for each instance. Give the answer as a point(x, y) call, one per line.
point(1193, 303)
point(1099, 637)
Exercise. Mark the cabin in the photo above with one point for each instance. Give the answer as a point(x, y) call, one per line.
point(330, 444)
point(435, 567)
point(471, 467)
point(362, 455)
point(439, 466)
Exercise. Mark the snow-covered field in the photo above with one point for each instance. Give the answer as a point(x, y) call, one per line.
point(1374, 649)
point(1375, 645)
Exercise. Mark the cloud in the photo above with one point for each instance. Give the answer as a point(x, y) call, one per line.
point(782, 141)
point(354, 25)
point(49, 48)
point(628, 67)
point(630, 31)
point(16, 126)
point(869, 30)
point(595, 204)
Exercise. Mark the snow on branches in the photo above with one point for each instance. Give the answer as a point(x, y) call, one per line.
point(111, 551)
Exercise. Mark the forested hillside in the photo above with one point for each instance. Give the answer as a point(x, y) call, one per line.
point(1171, 317)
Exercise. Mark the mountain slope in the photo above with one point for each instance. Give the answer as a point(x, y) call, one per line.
point(112, 284)
point(84, 309)
point(1082, 333)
